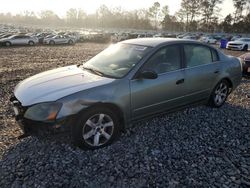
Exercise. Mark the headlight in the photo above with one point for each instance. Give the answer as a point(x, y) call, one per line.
point(43, 111)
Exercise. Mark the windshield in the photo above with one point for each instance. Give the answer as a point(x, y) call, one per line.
point(117, 60)
point(244, 39)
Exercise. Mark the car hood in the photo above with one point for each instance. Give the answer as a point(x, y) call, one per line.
point(236, 42)
point(3, 39)
point(55, 84)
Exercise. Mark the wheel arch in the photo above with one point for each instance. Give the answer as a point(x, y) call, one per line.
point(8, 42)
point(115, 108)
point(31, 41)
point(229, 81)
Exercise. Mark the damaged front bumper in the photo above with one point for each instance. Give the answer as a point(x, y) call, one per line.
point(31, 127)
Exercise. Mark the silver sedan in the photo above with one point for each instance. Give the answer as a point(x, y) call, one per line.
point(59, 39)
point(19, 40)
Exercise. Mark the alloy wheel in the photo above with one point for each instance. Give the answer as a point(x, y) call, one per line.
point(98, 129)
point(220, 94)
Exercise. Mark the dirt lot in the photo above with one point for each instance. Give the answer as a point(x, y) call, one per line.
point(213, 154)
point(18, 63)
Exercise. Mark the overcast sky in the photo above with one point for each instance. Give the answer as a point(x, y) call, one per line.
point(61, 6)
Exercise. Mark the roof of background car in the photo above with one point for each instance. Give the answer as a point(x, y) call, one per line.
point(153, 42)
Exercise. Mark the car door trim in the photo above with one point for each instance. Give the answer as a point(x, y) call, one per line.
point(135, 110)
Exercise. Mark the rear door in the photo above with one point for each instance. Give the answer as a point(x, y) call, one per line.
point(150, 96)
point(201, 72)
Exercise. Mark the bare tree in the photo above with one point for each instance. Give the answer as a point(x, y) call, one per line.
point(239, 5)
point(154, 12)
point(190, 9)
point(209, 13)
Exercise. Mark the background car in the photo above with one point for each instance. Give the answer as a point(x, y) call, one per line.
point(208, 40)
point(5, 35)
point(246, 64)
point(59, 39)
point(189, 37)
point(126, 82)
point(19, 40)
point(239, 44)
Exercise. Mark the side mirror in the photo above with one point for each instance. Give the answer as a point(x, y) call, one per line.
point(148, 74)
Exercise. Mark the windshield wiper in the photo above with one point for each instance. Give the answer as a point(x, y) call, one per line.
point(99, 72)
point(94, 71)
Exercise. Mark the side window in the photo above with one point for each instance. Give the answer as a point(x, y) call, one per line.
point(165, 60)
point(214, 55)
point(196, 55)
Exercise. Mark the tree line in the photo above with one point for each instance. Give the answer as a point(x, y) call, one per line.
point(194, 15)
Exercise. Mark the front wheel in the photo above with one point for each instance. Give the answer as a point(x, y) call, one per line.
point(95, 128)
point(51, 42)
point(219, 94)
point(8, 44)
point(245, 48)
point(70, 42)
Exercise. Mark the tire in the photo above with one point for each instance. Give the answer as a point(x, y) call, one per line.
point(51, 42)
point(8, 43)
point(95, 128)
point(70, 42)
point(219, 94)
point(245, 48)
point(31, 43)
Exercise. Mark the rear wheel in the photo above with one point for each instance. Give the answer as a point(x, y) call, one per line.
point(95, 128)
point(31, 43)
point(219, 94)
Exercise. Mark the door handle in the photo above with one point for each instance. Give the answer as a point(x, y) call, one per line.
point(216, 71)
point(181, 81)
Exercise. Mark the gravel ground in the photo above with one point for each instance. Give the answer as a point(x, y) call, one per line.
point(196, 147)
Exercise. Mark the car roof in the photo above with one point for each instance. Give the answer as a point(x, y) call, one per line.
point(153, 42)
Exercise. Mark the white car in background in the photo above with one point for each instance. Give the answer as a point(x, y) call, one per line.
point(208, 40)
point(59, 39)
point(239, 44)
point(19, 40)
point(189, 37)
point(119, 37)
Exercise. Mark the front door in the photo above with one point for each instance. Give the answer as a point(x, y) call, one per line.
point(150, 96)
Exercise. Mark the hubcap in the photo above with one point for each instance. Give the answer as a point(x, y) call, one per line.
point(220, 93)
point(98, 129)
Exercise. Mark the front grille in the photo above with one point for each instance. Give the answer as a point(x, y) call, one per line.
point(235, 44)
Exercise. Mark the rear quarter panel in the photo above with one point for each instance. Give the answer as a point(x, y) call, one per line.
point(231, 69)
